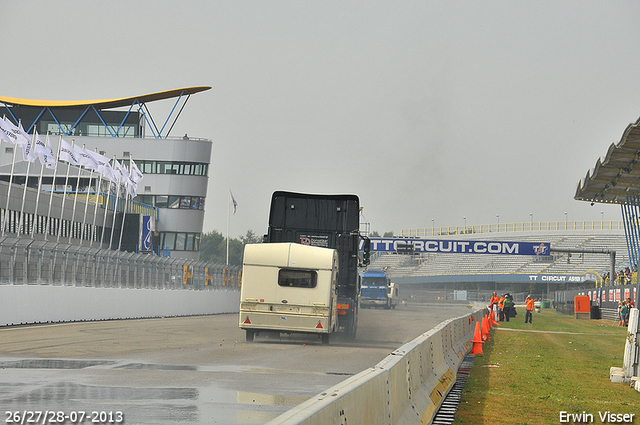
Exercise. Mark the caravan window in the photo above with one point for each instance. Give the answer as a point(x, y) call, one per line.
point(297, 278)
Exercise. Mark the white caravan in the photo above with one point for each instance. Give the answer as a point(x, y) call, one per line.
point(289, 287)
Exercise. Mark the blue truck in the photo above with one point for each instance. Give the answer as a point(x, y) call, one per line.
point(377, 290)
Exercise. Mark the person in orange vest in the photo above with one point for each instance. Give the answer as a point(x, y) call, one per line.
point(501, 306)
point(493, 302)
point(529, 315)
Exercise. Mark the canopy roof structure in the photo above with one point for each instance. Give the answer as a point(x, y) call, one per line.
point(103, 103)
point(83, 106)
point(616, 177)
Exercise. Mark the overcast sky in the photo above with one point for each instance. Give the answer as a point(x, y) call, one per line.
point(430, 111)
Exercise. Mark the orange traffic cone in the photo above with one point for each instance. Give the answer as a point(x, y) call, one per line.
point(485, 329)
point(477, 341)
point(493, 320)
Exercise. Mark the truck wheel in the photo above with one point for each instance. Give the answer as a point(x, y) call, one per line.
point(250, 335)
point(325, 339)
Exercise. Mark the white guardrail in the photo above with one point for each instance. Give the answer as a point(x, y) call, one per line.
point(406, 388)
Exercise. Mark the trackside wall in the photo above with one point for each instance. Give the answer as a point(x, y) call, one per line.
point(406, 388)
point(21, 304)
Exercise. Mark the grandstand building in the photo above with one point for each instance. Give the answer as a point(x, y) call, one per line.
point(437, 276)
point(175, 171)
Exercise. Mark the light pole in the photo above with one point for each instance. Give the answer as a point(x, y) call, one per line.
point(465, 223)
point(433, 228)
point(498, 217)
point(602, 220)
point(565, 221)
point(531, 215)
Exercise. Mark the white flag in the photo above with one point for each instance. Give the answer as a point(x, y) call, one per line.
point(132, 188)
point(18, 134)
point(67, 153)
point(104, 167)
point(45, 153)
point(136, 174)
point(48, 156)
point(85, 158)
point(109, 173)
point(121, 171)
point(28, 149)
point(5, 132)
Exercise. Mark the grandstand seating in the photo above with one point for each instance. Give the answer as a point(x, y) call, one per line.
point(558, 263)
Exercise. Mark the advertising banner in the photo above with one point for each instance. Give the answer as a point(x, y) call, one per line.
point(460, 247)
point(146, 231)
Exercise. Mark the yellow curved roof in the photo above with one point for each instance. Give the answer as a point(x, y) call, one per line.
point(103, 103)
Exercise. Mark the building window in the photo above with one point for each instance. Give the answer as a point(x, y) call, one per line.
point(172, 167)
point(174, 202)
point(171, 201)
point(179, 241)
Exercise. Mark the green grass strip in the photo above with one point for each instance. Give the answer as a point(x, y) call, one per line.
point(529, 373)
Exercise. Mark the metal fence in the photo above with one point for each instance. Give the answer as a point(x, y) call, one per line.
point(25, 261)
point(543, 226)
point(604, 298)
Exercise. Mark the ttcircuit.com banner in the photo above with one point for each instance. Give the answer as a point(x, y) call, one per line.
point(459, 247)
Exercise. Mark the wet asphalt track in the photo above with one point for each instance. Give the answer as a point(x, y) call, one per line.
point(187, 370)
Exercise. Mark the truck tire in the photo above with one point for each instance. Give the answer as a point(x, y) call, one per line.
point(250, 335)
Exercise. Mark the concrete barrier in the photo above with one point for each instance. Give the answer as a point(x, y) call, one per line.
point(406, 388)
point(22, 304)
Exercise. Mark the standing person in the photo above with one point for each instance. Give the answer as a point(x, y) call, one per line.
point(493, 302)
point(620, 318)
point(624, 313)
point(529, 315)
point(506, 308)
point(501, 307)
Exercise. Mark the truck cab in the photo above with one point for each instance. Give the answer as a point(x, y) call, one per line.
point(377, 290)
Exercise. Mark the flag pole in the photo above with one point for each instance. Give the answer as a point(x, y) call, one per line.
point(86, 205)
point(6, 210)
point(115, 209)
point(26, 183)
point(228, 219)
point(104, 218)
point(64, 195)
point(126, 204)
point(35, 213)
point(95, 208)
point(75, 201)
point(53, 189)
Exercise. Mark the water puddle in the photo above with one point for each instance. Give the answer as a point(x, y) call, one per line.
point(52, 364)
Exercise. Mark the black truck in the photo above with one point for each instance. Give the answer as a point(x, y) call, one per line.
point(330, 221)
